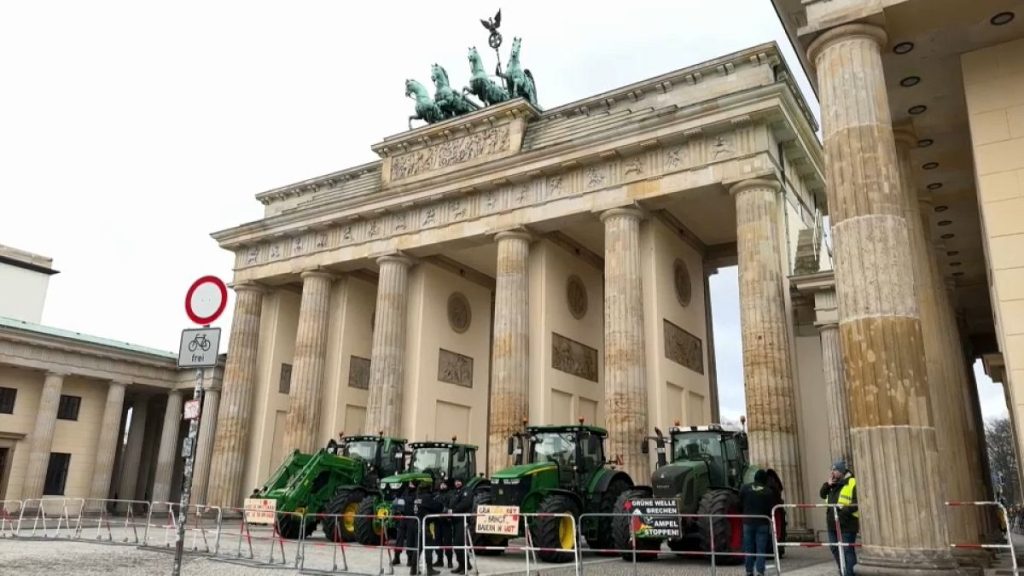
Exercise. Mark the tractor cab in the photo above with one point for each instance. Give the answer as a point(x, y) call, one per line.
point(432, 463)
point(723, 451)
point(576, 451)
point(383, 455)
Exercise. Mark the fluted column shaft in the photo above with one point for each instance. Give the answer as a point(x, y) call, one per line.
point(168, 448)
point(232, 436)
point(947, 383)
point(387, 357)
point(106, 447)
point(42, 436)
point(204, 446)
point(625, 386)
point(835, 395)
point(510, 388)
point(902, 519)
point(767, 358)
point(130, 469)
point(302, 425)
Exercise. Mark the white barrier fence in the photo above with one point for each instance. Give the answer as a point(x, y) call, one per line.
point(983, 546)
point(840, 545)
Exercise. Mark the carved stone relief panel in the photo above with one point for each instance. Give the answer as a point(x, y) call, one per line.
point(460, 314)
point(573, 357)
point(683, 348)
point(576, 295)
point(359, 372)
point(681, 280)
point(450, 153)
point(454, 368)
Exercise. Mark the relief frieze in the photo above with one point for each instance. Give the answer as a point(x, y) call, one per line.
point(454, 368)
point(359, 373)
point(573, 357)
point(683, 348)
point(451, 153)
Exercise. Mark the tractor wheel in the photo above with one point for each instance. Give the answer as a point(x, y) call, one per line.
point(727, 532)
point(623, 527)
point(289, 526)
point(370, 528)
point(553, 534)
point(604, 540)
point(495, 542)
point(346, 504)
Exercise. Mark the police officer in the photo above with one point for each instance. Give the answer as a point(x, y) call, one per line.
point(443, 527)
point(461, 502)
point(403, 506)
point(423, 505)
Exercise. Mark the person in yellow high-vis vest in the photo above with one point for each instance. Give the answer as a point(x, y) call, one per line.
point(843, 520)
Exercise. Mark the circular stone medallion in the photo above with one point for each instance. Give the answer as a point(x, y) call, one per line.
point(576, 294)
point(459, 312)
point(681, 277)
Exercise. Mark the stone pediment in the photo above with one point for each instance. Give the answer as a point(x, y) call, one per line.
point(488, 134)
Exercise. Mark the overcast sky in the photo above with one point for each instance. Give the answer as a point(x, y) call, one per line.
point(129, 131)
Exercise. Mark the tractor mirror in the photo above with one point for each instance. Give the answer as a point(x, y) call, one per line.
point(511, 445)
point(644, 448)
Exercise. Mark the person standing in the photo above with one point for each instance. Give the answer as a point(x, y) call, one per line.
point(843, 519)
point(424, 504)
point(461, 503)
point(774, 482)
point(757, 499)
point(403, 507)
point(443, 528)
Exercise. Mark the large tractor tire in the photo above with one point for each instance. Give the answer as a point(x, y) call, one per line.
point(603, 539)
point(345, 504)
point(371, 530)
point(289, 526)
point(727, 532)
point(623, 527)
point(556, 536)
point(494, 542)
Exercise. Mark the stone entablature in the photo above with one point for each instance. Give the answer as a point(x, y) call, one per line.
point(611, 149)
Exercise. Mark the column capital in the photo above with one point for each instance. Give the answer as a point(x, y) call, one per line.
point(752, 183)
point(121, 383)
point(176, 391)
point(514, 234)
point(317, 273)
point(248, 286)
point(397, 258)
point(843, 32)
point(633, 211)
point(57, 374)
point(828, 326)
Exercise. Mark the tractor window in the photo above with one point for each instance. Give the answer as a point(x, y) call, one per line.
point(361, 449)
point(593, 452)
point(391, 462)
point(554, 447)
point(424, 459)
point(697, 446)
point(461, 460)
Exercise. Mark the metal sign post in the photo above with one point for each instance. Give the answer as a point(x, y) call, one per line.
point(204, 303)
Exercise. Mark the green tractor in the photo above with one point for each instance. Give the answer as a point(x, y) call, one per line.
point(380, 457)
point(564, 472)
point(430, 463)
point(708, 467)
point(316, 483)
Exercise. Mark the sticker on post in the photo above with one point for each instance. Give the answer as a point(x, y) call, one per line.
point(503, 520)
point(655, 517)
point(191, 409)
point(260, 510)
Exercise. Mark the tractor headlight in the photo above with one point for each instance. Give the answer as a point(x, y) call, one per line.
point(512, 482)
point(395, 485)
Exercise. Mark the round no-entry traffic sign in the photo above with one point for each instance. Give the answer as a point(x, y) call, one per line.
point(206, 300)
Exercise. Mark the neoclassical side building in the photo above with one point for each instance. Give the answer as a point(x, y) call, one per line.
point(550, 265)
point(83, 416)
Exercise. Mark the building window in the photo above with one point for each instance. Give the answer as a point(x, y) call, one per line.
point(68, 408)
point(285, 385)
point(7, 397)
point(56, 474)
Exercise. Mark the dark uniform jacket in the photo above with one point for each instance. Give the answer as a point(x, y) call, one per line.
point(756, 499)
point(849, 520)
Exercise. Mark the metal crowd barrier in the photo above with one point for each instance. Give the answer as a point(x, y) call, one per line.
point(713, 554)
point(254, 535)
point(10, 517)
point(99, 516)
point(839, 544)
point(64, 515)
point(1005, 516)
point(469, 548)
point(199, 516)
point(384, 547)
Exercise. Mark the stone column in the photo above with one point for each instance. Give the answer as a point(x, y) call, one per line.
point(767, 358)
point(947, 384)
point(106, 447)
point(835, 395)
point(239, 384)
point(510, 389)
point(130, 463)
point(168, 448)
point(42, 436)
point(302, 426)
point(625, 387)
point(387, 356)
point(902, 517)
point(204, 446)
